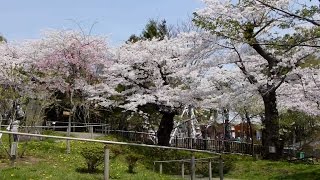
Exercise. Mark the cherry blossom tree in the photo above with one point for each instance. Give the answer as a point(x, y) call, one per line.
point(266, 44)
point(67, 62)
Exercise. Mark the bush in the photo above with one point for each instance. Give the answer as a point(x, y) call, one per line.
point(117, 150)
point(132, 160)
point(93, 154)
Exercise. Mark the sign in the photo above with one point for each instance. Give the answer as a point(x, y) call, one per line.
point(66, 113)
point(272, 149)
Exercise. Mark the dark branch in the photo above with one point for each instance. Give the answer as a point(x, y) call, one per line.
point(290, 14)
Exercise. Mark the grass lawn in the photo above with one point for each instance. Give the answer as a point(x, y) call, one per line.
point(248, 168)
point(47, 159)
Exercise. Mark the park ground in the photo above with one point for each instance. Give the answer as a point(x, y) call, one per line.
point(47, 159)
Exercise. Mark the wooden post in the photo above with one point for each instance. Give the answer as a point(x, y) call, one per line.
point(160, 167)
point(68, 131)
point(220, 168)
point(193, 167)
point(154, 166)
point(91, 131)
point(182, 170)
point(13, 153)
point(210, 170)
point(106, 163)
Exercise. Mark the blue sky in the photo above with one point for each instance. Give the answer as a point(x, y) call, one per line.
point(25, 19)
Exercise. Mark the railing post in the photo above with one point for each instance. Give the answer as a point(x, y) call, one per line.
point(68, 135)
point(210, 170)
point(154, 166)
point(106, 163)
point(176, 141)
point(91, 131)
point(182, 170)
point(160, 168)
point(13, 152)
point(220, 168)
point(193, 167)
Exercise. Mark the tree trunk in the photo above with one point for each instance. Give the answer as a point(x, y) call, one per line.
point(165, 128)
point(270, 132)
point(250, 129)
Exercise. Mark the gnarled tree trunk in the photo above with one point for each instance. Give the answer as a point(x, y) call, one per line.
point(270, 132)
point(165, 128)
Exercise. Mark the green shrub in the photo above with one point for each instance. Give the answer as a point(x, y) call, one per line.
point(132, 160)
point(93, 154)
point(117, 150)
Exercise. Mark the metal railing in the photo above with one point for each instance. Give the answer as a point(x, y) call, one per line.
point(217, 145)
point(192, 162)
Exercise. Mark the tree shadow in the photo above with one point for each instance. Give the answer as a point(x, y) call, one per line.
point(85, 170)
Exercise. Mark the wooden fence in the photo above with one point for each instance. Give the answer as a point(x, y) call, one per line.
point(106, 150)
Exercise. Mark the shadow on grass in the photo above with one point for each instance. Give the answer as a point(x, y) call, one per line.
point(85, 170)
point(307, 174)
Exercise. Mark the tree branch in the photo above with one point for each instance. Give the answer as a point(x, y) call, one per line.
point(289, 13)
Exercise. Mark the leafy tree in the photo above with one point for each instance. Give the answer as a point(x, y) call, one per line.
point(299, 127)
point(2, 39)
point(153, 29)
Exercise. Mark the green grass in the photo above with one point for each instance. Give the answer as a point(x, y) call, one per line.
point(248, 168)
point(47, 160)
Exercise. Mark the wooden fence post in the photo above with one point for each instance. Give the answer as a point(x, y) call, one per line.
point(193, 167)
point(220, 168)
point(210, 170)
point(160, 168)
point(13, 152)
point(91, 131)
point(182, 170)
point(106, 163)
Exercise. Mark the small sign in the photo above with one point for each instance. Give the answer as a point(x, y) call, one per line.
point(66, 113)
point(272, 149)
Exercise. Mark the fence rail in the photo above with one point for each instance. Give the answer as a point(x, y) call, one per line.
point(192, 162)
point(106, 150)
point(215, 145)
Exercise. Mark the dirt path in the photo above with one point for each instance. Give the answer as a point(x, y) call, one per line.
point(84, 135)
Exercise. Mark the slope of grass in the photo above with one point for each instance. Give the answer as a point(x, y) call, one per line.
point(47, 159)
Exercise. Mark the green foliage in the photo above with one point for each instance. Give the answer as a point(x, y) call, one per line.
point(299, 125)
point(132, 160)
point(93, 154)
point(153, 29)
point(116, 150)
point(2, 39)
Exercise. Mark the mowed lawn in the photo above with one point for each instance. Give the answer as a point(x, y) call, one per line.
point(47, 159)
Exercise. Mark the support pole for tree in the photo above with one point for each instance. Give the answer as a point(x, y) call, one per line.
point(193, 167)
point(106, 163)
